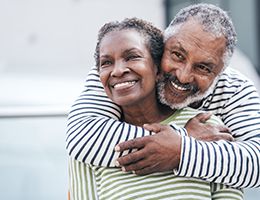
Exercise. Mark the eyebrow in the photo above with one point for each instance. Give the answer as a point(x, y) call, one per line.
point(179, 46)
point(209, 64)
point(104, 56)
point(132, 49)
point(127, 51)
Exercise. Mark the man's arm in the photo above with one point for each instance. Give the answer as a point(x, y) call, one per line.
point(94, 128)
point(232, 163)
point(91, 118)
point(89, 139)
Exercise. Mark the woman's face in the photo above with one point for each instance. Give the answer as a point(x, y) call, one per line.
point(127, 70)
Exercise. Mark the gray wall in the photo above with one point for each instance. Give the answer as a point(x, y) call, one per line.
point(58, 37)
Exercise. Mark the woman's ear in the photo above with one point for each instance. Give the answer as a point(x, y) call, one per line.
point(158, 74)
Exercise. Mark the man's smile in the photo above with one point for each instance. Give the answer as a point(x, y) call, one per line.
point(179, 87)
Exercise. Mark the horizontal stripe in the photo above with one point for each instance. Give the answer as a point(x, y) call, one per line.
point(234, 100)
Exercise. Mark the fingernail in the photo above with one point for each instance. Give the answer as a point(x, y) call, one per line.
point(123, 169)
point(117, 148)
point(117, 163)
point(133, 172)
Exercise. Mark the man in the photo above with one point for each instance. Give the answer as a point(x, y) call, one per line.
point(198, 45)
point(128, 56)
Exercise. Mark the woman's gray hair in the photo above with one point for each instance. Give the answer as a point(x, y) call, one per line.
point(213, 19)
point(152, 35)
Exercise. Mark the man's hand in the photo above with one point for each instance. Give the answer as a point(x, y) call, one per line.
point(161, 152)
point(156, 153)
point(199, 129)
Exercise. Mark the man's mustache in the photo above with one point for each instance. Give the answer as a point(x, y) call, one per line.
point(167, 77)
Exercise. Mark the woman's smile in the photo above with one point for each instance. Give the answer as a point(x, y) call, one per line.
point(124, 85)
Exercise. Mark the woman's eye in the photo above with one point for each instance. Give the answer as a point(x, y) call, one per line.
point(132, 57)
point(105, 63)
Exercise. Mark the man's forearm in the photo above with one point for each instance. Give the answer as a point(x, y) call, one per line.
point(93, 128)
point(94, 139)
point(235, 164)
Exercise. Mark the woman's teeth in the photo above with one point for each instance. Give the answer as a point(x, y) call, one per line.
point(124, 84)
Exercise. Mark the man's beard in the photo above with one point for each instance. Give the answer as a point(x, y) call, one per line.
point(196, 95)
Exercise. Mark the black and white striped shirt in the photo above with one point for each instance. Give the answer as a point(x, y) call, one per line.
point(94, 129)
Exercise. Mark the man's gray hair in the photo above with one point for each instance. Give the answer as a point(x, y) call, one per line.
point(213, 19)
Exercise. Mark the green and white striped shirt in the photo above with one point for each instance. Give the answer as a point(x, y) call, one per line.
point(107, 183)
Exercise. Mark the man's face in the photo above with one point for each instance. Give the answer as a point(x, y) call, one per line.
point(191, 62)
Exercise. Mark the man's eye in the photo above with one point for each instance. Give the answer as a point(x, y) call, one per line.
point(204, 68)
point(178, 56)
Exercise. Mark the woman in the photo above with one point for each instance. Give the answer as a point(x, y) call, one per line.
point(128, 55)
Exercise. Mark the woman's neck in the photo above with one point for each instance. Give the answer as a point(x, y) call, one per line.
point(153, 112)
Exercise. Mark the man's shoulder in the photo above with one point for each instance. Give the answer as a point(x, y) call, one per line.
point(231, 77)
point(231, 88)
point(229, 83)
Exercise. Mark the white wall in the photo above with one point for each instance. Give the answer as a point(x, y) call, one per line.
point(58, 36)
point(243, 64)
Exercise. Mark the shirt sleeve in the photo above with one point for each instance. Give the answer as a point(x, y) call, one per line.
point(94, 129)
point(233, 163)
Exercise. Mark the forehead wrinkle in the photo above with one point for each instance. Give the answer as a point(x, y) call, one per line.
point(197, 44)
point(187, 40)
point(209, 53)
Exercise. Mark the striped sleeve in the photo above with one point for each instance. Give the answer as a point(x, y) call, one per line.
point(93, 130)
point(236, 102)
point(231, 163)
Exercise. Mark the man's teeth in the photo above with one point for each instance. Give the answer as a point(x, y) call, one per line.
point(178, 87)
point(124, 84)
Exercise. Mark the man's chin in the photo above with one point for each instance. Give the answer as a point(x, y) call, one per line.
point(179, 102)
point(176, 104)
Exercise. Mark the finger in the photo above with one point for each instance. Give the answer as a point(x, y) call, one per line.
point(152, 127)
point(225, 136)
point(146, 170)
point(139, 165)
point(223, 129)
point(203, 117)
point(131, 144)
point(130, 158)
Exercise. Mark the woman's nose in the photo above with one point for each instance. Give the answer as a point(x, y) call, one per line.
point(119, 69)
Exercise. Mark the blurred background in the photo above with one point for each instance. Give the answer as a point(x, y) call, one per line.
point(46, 50)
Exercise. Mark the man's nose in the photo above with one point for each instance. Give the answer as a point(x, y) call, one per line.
point(119, 69)
point(184, 74)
